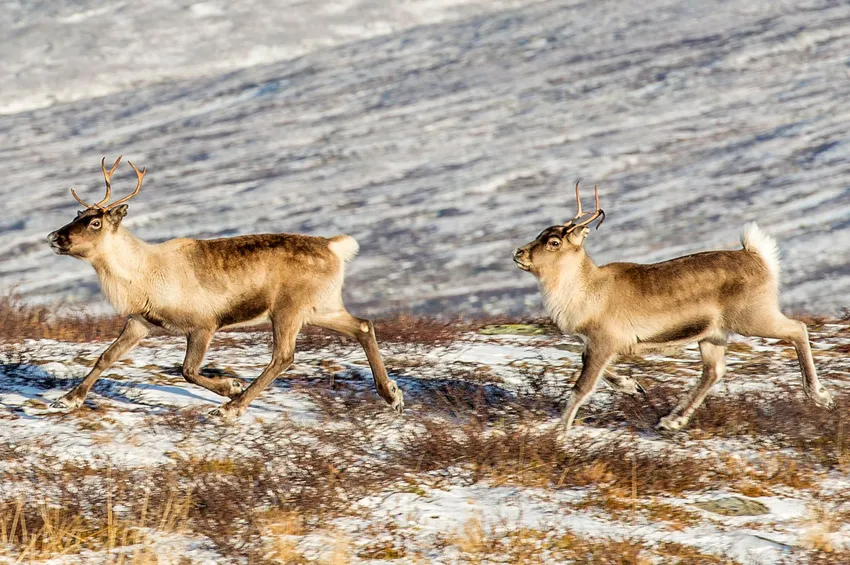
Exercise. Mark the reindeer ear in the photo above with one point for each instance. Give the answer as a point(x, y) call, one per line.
point(577, 236)
point(117, 214)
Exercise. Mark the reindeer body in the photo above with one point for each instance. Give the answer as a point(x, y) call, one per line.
point(195, 287)
point(677, 301)
point(221, 283)
point(629, 308)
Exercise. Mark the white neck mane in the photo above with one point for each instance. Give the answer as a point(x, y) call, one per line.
point(122, 266)
point(565, 296)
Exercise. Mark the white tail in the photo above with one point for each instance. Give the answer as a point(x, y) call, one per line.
point(755, 240)
point(345, 247)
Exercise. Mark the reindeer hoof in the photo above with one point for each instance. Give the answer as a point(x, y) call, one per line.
point(225, 413)
point(824, 399)
point(625, 385)
point(397, 397)
point(671, 423)
point(563, 434)
point(237, 387)
point(66, 404)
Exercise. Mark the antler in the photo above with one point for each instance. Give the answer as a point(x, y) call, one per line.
point(593, 215)
point(107, 176)
point(141, 176)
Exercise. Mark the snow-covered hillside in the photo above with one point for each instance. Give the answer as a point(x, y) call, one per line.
point(442, 146)
point(67, 50)
point(320, 466)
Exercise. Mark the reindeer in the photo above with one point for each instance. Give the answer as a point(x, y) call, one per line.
point(196, 287)
point(629, 308)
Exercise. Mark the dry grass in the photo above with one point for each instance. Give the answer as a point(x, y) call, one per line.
point(19, 321)
point(786, 418)
point(527, 546)
point(281, 529)
point(497, 438)
point(29, 530)
point(478, 544)
point(820, 523)
point(519, 456)
point(288, 480)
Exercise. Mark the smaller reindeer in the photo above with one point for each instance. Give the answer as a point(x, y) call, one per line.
point(195, 287)
point(628, 308)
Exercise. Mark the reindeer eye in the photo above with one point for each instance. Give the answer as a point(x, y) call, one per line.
point(94, 224)
point(554, 243)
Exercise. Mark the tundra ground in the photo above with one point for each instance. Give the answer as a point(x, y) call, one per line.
point(320, 470)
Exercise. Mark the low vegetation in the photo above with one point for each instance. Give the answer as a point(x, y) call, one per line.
point(292, 489)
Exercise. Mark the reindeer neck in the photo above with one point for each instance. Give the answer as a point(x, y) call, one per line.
point(568, 295)
point(121, 266)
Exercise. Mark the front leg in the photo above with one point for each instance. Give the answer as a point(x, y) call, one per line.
point(197, 343)
point(623, 384)
point(596, 357)
point(130, 336)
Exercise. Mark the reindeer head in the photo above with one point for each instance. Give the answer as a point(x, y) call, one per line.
point(558, 246)
point(85, 234)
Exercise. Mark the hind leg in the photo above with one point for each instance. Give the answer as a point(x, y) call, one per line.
point(197, 343)
point(713, 369)
point(796, 332)
point(363, 331)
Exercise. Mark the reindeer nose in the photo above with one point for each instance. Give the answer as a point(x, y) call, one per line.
point(51, 237)
point(519, 253)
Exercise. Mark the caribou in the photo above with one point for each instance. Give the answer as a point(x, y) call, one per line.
point(630, 308)
point(195, 287)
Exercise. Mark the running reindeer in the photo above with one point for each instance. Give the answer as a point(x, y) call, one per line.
point(628, 308)
point(195, 287)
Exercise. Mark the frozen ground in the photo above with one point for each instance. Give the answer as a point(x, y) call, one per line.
point(440, 135)
point(757, 439)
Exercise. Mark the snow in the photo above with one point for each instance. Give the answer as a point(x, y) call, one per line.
point(504, 509)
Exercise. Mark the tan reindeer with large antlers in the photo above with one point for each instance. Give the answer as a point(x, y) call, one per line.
point(628, 308)
point(196, 287)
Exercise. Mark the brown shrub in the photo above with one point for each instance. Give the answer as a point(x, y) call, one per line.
point(20, 320)
point(81, 514)
point(527, 457)
point(785, 417)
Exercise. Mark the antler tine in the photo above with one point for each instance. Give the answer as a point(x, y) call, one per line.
point(80, 200)
point(107, 176)
point(597, 213)
point(141, 175)
point(578, 201)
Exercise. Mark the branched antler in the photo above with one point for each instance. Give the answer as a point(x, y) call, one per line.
point(141, 176)
point(107, 176)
